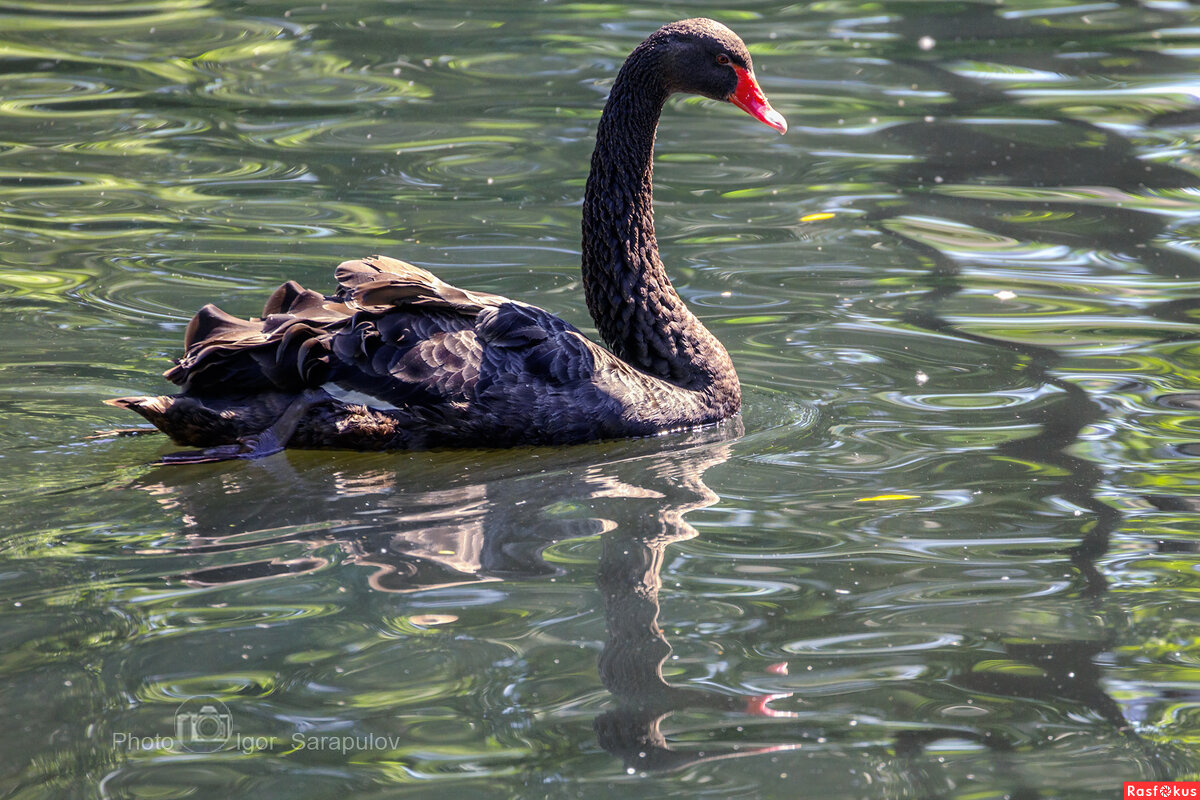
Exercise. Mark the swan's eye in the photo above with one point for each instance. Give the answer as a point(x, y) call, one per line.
point(723, 60)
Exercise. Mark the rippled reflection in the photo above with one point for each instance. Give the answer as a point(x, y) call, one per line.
point(454, 534)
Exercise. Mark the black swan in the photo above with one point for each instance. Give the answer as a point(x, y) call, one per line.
point(397, 358)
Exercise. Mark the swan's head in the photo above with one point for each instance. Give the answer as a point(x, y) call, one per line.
point(701, 56)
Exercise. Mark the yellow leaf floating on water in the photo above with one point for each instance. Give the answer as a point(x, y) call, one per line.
point(880, 497)
point(816, 217)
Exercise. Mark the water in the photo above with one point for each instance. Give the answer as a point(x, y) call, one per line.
point(949, 551)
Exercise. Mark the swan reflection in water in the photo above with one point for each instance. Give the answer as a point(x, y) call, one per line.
point(432, 527)
point(421, 523)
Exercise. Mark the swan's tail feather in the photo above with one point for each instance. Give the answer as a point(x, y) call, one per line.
point(213, 324)
point(208, 421)
point(154, 409)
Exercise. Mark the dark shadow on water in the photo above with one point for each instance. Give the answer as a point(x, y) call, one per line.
point(1000, 144)
point(1045, 152)
point(1068, 669)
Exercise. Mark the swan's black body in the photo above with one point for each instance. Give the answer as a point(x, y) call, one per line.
point(397, 358)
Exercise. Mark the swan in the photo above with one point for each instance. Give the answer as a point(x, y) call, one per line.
point(398, 358)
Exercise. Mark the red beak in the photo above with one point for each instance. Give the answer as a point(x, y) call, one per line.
point(749, 97)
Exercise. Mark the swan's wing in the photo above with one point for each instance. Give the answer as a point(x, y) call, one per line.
point(380, 283)
point(392, 335)
point(288, 348)
point(483, 350)
point(227, 355)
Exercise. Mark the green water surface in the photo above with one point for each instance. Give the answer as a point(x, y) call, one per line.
point(949, 551)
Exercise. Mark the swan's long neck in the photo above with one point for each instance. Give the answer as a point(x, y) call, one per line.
point(637, 311)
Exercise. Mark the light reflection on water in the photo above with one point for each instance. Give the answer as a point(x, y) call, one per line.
point(951, 553)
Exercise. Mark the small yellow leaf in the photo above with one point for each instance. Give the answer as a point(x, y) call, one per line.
point(820, 215)
point(879, 497)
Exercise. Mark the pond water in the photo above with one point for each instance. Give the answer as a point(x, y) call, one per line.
point(949, 551)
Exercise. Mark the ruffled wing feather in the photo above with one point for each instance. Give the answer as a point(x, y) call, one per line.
point(393, 333)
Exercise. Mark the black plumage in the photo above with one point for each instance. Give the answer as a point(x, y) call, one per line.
point(397, 358)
